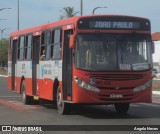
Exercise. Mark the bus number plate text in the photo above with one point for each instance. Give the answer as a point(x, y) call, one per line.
point(116, 96)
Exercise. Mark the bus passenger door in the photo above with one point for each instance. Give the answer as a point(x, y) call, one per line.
point(67, 66)
point(14, 61)
point(35, 62)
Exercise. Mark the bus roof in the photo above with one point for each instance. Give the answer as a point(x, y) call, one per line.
point(72, 20)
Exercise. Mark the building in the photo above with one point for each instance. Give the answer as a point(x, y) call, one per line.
point(156, 36)
point(156, 55)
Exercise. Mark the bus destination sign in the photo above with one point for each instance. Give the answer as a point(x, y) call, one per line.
point(114, 23)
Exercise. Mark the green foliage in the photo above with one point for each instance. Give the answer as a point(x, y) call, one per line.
point(68, 12)
point(3, 52)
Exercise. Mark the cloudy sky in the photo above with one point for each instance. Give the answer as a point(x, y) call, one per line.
point(37, 12)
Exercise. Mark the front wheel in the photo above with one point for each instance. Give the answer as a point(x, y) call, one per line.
point(122, 108)
point(25, 98)
point(62, 107)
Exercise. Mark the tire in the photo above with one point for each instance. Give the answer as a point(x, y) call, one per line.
point(122, 108)
point(62, 107)
point(25, 98)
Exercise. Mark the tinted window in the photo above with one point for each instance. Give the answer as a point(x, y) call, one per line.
point(28, 52)
point(45, 45)
point(21, 48)
point(56, 49)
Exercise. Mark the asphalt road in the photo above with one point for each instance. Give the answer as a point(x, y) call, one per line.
point(13, 112)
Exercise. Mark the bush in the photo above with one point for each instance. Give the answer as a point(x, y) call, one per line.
point(3, 52)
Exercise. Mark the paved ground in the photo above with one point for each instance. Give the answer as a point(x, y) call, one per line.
point(13, 112)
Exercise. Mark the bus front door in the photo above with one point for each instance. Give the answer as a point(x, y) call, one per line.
point(14, 60)
point(35, 62)
point(67, 67)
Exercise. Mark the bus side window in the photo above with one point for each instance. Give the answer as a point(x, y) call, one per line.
point(48, 44)
point(57, 44)
point(28, 47)
point(52, 43)
point(45, 45)
point(43, 51)
point(21, 48)
point(25, 48)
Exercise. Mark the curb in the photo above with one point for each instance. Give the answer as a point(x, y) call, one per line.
point(156, 92)
point(156, 79)
point(3, 75)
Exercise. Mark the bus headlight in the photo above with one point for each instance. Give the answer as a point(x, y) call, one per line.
point(142, 87)
point(84, 85)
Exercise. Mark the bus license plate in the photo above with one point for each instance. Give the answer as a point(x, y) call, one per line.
point(116, 96)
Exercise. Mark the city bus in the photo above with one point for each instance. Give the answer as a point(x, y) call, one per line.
point(92, 60)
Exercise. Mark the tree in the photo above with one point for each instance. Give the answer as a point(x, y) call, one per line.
point(3, 52)
point(68, 12)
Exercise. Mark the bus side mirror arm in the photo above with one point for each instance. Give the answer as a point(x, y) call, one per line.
point(72, 41)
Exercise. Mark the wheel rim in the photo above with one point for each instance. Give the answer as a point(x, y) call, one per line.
point(23, 95)
point(59, 100)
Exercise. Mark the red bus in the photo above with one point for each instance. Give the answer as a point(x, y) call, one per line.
point(100, 59)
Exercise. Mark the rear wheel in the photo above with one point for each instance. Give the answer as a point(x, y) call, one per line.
point(25, 98)
point(62, 107)
point(122, 108)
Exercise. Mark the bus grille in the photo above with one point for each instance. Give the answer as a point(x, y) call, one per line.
point(113, 88)
point(117, 77)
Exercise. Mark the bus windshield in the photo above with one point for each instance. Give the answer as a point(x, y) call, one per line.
point(113, 52)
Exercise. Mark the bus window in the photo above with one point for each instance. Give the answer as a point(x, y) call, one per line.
point(48, 44)
point(42, 38)
point(57, 50)
point(45, 45)
point(28, 47)
point(21, 48)
point(43, 51)
point(57, 44)
point(52, 43)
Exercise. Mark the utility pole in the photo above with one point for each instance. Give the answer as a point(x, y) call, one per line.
point(18, 15)
point(81, 7)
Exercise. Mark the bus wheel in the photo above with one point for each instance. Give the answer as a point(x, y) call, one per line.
point(122, 108)
point(62, 107)
point(25, 99)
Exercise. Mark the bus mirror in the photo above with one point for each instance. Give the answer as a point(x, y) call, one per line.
point(71, 41)
point(153, 47)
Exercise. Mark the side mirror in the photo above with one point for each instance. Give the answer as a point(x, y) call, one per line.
point(72, 41)
point(153, 47)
